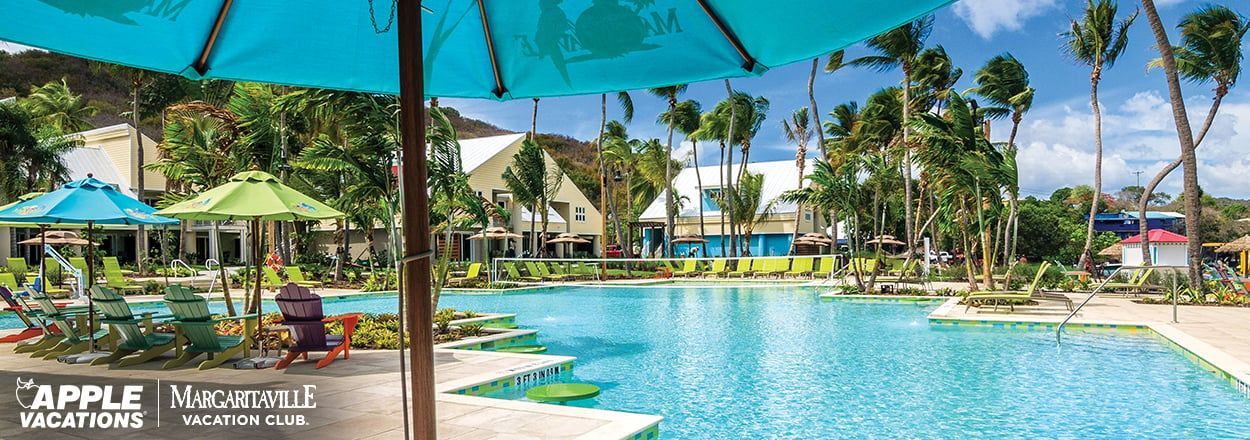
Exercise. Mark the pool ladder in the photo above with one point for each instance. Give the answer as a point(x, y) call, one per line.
point(1059, 329)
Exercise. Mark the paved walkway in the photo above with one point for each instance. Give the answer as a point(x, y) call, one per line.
point(358, 398)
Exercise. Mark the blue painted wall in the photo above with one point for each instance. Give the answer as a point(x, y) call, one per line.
point(761, 244)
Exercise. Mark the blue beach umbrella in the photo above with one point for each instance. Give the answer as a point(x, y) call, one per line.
point(496, 49)
point(88, 201)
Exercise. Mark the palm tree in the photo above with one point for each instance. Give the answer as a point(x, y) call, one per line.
point(449, 187)
point(1171, 69)
point(605, 188)
point(138, 79)
point(533, 184)
point(1004, 82)
point(712, 128)
point(752, 208)
point(669, 94)
point(686, 117)
point(900, 47)
point(1097, 40)
point(54, 105)
point(1210, 51)
point(833, 64)
point(798, 130)
point(841, 129)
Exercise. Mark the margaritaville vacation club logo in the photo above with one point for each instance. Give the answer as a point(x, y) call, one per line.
point(79, 406)
point(131, 406)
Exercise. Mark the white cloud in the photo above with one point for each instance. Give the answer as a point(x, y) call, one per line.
point(986, 17)
point(1138, 135)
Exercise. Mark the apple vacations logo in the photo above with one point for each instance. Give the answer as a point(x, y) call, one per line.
point(79, 406)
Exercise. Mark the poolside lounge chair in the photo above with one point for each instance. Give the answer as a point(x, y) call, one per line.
point(690, 267)
point(80, 263)
point(742, 269)
point(295, 275)
point(802, 267)
point(271, 280)
point(866, 266)
point(566, 270)
point(773, 266)
point(17, 266)
point(197, 326)
point(719, 267)
point(28, 316)
point(8, 280)
point(116, 281)
point(74, 339)
point(541, 269)
point(1034, 293)
point(904, 274)
point(1136, 282)
point(302, 313)
point(474, 272)
point(515, 274)
point(110, 263)
point(125, 326)
point(826, 268)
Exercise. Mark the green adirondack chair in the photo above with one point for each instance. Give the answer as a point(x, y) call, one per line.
point(195, 324)
point(73, 339)
point(296, 276)
point(125, 327)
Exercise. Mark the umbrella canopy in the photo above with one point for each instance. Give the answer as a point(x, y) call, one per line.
point(814, 239)
point(251, 195)
point(494, 233)
point(1113, 251)
point(84, 201)
point(498, 50)
point(568, 238)
point(885, 239)
point(1239, 245)
point(57, 238)
point(689, 239)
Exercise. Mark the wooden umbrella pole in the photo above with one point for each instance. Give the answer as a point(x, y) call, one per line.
point(416, 218)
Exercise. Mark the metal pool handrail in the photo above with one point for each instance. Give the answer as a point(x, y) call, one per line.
point(1059, 329)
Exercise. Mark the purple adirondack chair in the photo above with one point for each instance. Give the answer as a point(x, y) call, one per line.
point(302, 313)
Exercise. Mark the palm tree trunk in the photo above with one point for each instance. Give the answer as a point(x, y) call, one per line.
point(1142, 227)
point(1013, 217)
point(141, 236)
point(603, 181)
point(534, 120)
point(533, 232)
point(668, 184)
point(908, 224)
point(721, 176)
point(1189, 159)
point(800, 161)
point(1093, 204)
point(698, 177)
point(811, 98)
point(970, 274)
point(729, 182)
point(340, 248)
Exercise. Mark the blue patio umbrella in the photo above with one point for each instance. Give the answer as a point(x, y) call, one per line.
point(498, 49)
point(87, 201)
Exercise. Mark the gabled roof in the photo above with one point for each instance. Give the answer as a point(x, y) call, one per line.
point(475, 152)
point(1157, 236)
point(779, 176)
point(81, 161)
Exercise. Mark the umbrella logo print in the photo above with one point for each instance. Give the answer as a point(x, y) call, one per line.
point(137, 214)
point(304, 208)
point(201, 203)
point(29, 210)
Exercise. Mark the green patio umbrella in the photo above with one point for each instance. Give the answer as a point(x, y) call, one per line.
point(252, 196)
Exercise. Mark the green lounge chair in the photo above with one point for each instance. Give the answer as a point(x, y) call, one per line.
point(18, 267)
point(196, 325)
point(296, 276)
point(80, 263)
point(690, 267)
point(271, 280)
point(515, 274)
point(116, 281)
point(474, 272)
point(73, 339)
point(772, 266)
point(543, 271)
point(866, 266)
point(718, 269)
point(802, 267)
point(9, 281)
point(826, 268)
point(1034, 293)
point(125, 326)
point(110, 263)
point(742, 269)
point(1136, 282)
point(566, 270)
point(905, 273)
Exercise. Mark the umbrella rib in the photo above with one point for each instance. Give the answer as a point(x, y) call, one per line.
point(201, 63)
point(490, 49)
point(748, 62)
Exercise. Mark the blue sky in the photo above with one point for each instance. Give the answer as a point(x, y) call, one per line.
point(1056, 138)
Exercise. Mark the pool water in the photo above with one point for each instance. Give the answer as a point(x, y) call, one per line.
point(780, 363)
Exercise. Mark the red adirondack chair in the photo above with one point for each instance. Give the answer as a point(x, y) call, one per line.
point(302, 313)
point(33, 327)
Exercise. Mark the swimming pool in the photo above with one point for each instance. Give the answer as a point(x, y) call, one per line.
point(780, 363)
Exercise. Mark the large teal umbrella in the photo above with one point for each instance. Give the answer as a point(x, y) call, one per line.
point(87, 201)
point(502, 49)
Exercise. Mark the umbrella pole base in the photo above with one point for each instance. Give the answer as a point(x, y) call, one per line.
point(82, 358)
point(256, 363)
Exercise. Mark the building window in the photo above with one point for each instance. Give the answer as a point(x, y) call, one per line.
point(503, 204)
point(807, 215)
point(579, 214)
point(710, 196)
